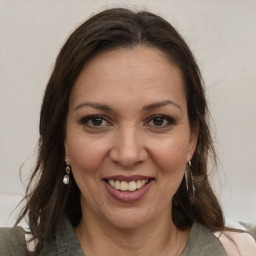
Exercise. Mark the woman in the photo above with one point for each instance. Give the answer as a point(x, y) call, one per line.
point(123, 150)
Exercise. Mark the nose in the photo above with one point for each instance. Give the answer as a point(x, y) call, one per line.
point(128, 148)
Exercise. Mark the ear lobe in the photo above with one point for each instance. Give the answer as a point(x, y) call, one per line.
point(194, 131)
point(67, 159)
point(66, 147)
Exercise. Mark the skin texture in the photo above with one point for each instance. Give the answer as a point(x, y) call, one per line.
point(128, 139)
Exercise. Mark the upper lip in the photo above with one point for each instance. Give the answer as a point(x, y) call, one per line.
point(128, 178)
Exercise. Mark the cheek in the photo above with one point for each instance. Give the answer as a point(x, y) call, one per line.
point(170, 157)
point(86, 154)
point(171, 154)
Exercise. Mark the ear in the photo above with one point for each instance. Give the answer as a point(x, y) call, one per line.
point(67, 158)
point(194, 130)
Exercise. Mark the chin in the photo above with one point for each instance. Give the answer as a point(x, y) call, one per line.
point(128, 218)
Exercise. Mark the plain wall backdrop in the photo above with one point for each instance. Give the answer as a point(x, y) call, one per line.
point(222, 36)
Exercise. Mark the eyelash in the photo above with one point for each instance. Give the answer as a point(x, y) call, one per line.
point(87, 119)
point(169, 121)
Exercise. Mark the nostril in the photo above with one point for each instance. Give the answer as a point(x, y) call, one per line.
point(128, 153)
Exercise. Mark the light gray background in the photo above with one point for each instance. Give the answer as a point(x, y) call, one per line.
point(222, 35)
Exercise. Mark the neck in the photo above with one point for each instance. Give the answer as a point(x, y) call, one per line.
point(99, 237)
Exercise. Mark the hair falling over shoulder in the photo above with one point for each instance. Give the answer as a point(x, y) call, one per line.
point(47, 199)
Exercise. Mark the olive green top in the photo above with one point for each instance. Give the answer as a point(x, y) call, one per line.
point(12, 242)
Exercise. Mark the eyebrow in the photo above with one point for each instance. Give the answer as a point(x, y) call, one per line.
point(145, 108)
point(94, 105)
point(162, 104)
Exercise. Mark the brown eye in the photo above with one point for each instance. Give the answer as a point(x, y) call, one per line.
point(95, 121)
point(160, 121)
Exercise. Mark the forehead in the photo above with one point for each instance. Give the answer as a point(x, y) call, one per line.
point(139, 71)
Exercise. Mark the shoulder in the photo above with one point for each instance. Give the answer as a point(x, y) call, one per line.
point(237, 243)
point(202, 241)
point(12, 241)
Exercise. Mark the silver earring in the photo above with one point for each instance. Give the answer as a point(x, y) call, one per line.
point(66, 177)
point(190, 183)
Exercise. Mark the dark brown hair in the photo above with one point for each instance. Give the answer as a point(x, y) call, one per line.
point(47, 198)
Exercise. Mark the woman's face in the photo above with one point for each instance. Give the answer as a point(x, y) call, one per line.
point(128, 137)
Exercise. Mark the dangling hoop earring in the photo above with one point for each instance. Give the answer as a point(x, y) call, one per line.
point(66, 177)
point(190, 183)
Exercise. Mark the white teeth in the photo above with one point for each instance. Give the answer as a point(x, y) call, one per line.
point(138, 184)
point(117, 184)
point(127, 186)
point(132, 186)
point(124, 186)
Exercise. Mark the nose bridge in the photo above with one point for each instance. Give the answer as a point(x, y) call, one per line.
point(128, 147)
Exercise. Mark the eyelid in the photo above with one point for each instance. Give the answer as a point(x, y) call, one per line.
point(84, 120)
point(171, 121)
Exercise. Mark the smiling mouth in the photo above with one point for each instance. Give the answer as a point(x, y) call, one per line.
point(128, 189)
point(127, 186)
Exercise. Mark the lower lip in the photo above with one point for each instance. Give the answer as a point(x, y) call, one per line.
point(128, 196)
